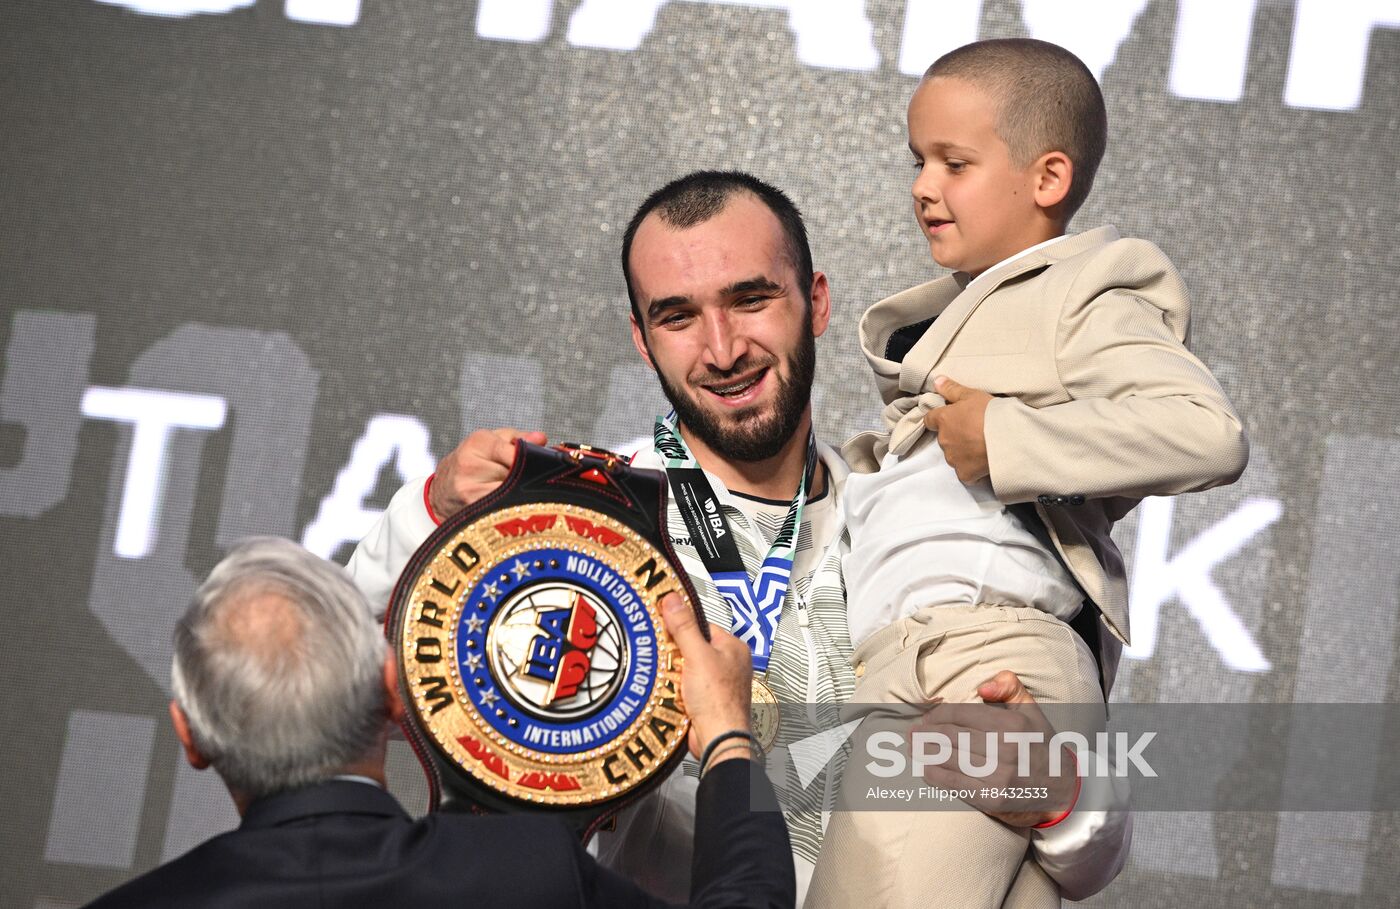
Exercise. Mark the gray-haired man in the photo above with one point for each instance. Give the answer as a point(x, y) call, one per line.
point(283, 684)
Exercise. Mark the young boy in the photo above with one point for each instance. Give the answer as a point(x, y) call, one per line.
point(1049, 369)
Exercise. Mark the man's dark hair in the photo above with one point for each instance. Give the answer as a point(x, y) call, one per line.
point(1047, 100)
point(697, 197)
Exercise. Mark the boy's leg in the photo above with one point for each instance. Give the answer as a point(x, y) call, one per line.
point(1032, 887)
point(904, 853)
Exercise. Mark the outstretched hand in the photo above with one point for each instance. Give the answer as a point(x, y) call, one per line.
point(474, 468)
point(961, 428)
point(716, 678)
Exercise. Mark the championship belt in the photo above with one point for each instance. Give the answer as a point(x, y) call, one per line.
point(533, 663)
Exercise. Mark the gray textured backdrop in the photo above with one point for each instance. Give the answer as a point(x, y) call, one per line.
point(334, 229)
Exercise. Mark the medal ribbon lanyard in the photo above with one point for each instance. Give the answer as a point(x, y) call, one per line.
point(756, 604)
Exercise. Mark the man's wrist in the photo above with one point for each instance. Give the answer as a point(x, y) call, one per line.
point(428, 500)
point(1057, 817)
point(730, 751)
point(716, 722)
point(724, 743)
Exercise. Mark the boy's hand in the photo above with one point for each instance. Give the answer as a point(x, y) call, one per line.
point(960, 426)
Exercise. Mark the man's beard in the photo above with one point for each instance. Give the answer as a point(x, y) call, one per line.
point(753, 438)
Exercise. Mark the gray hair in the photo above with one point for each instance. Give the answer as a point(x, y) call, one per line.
point(277, 667)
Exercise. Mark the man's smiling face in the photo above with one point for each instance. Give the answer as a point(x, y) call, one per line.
point(726, 328)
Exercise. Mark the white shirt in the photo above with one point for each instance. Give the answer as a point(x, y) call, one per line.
point(1012, 258)
point(810, 666)
point(921, 537)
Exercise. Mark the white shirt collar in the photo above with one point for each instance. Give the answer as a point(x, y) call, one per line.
point(1025, 252)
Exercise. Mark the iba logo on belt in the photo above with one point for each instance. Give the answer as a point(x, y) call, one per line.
point(561, 639)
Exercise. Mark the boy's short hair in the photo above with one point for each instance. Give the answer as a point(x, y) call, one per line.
point(1048, 101)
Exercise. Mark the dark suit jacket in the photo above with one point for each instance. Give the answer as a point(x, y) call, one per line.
point(343, 843)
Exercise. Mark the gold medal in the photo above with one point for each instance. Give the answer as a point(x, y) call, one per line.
point(764, 715)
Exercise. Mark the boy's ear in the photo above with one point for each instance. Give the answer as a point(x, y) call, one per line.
point(1054, 174)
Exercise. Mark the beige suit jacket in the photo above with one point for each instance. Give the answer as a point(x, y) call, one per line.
point(1099, 403)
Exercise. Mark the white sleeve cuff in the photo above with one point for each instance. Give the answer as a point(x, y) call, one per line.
point(382, 554)
point(1086, 850)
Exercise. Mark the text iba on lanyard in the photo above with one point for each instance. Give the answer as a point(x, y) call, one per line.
point(757, 605)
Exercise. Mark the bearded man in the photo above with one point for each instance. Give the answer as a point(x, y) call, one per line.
point(726, 308)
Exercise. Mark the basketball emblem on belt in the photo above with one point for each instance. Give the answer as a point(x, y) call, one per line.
point(533, 647)
point(558, 650)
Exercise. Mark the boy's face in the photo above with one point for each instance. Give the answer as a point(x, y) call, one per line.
point(975, 206)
